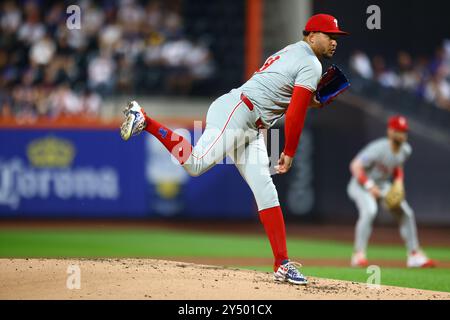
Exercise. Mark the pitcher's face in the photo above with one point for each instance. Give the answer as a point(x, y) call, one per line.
point(326, 44)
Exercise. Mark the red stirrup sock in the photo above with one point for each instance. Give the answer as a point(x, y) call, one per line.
point(273, 222)
point(178, 146)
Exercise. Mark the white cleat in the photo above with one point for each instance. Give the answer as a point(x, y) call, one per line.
point(359, 260)
point(418, 259)
point(134, 122)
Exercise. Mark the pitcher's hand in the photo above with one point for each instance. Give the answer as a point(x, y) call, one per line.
point(314, 103)
point(284, 164)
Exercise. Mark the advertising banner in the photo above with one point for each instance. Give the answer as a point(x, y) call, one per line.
point(57, 173)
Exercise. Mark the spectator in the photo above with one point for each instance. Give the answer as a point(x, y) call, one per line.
point(178, 78)
point(55, 17)
point(154, 16)
point(437, 90)
point(199, 61)
point(408, 77)
point(124, 75)
point(382, 74)
point(42, 51)
point(101, 73)
point(93, 19)
point(360, 64)
point(32, 30)
point(110, 36)
point(90, 103)
point(65, 102)
point(11, 17)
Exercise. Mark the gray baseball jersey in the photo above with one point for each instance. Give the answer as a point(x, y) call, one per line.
point(270, 88)
point(231, 125)
point(379, 161)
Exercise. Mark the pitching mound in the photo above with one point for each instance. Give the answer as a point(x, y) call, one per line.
point(159, 279)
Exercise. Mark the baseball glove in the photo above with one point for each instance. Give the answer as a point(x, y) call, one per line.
point(332, 83)
point(395, 195)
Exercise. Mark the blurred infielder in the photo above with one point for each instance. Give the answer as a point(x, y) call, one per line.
point(377, 178)
point(284, 85)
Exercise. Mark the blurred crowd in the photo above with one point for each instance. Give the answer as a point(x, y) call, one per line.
point(121, 47)
point(426, 77)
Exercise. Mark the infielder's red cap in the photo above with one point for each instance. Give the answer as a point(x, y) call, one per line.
point(323, 23)
point(398, 123)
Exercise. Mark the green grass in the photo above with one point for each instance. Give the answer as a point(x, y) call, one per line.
point(169, 243)
point(127, 243)
point(79, 243)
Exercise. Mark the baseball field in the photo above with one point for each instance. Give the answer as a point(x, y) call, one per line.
point(207, 261)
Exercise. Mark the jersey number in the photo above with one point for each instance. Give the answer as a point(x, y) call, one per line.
point(268, 63)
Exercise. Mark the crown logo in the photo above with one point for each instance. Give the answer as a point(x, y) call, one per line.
point(50, 152)
point(168, 189)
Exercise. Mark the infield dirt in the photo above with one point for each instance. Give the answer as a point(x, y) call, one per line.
point(160, 279)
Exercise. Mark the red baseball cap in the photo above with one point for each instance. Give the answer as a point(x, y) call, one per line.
point(323, 23)
point(398, 123)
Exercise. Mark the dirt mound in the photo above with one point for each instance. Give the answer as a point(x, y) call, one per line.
point(160, 279)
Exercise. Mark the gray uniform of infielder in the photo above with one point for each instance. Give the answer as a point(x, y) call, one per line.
point(379, 163)
point(232, 128)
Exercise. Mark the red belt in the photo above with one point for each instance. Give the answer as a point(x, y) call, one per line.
point(259, 124)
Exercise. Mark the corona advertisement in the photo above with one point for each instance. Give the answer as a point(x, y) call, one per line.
point(69, 173)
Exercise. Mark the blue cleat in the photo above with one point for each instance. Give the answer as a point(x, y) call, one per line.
point(288, 271)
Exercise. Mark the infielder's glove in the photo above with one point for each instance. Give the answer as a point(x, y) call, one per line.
point(395, 195)
point(332, 83)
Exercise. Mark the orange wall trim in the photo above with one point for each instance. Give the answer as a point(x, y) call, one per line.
point(83, 123)
point(253, 36)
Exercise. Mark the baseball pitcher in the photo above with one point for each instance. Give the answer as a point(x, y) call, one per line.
point(284, 86)
point(377, 178)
